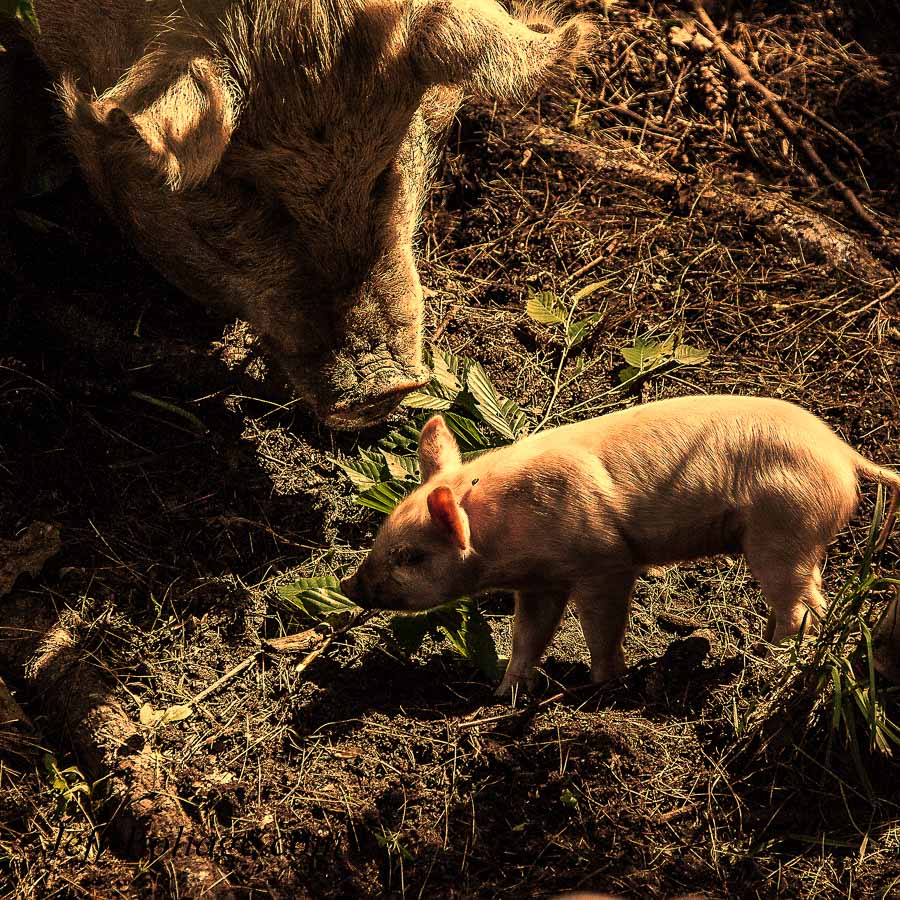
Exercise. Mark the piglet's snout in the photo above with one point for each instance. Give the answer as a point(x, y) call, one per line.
point(352, 588)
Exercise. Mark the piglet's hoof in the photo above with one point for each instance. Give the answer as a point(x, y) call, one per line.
point(514, 686)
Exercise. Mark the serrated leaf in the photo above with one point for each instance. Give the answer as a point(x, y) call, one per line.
point(402, 441)
point(628, 373)
point(401, 467)
point(445, 367)
point(588, 290)
point(365, 470)
point(410, 631)
point(384, 497)
point(643, 356)
point(423, 400)
point(466, 431)
point(578, 331)
point(690, 356)
point(545, 308)
point(318, 597)
point(469, 634)
point(494, 409)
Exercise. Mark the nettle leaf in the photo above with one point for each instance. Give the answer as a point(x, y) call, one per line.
point(403, 441)
point(424, 399)
point(444, 388)
point(365, 470)
point(545, 308)
point(23, 10)
point(503, 415)
point(401, 467)
point(385, 496)
point(690, 356)
point(410, 631)
point(447, 370)
point(578, 331)
point(468, 632)
point(319, 597)
point(642, 356)
point(470, 438)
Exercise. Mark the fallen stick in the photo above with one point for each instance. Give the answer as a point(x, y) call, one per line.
point(145, 817)
point(775, 215)
point(742, 73)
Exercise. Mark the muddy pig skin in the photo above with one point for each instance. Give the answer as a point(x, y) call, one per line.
point(271, 157)
point(579, 512)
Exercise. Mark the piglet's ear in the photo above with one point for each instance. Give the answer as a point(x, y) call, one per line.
point(449, 516)
point(437, 448)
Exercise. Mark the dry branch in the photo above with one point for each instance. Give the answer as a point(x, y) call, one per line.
point(777, 217)
point(145, 816)
point(742, 73)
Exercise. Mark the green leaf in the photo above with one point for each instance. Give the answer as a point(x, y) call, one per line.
point(365, 471)
point(425, 400)
point(578, 331)
point(690, 356)
point(643, 356)
point(470, 635)
point(318, 598)
point(447, 368)
point(466, 431)
point(23, 10)
point(383, 497)
point(409, 631)
point(401, 467)
point(504, 416)
point(404, 441)
point(545, 308)
point(628, 373)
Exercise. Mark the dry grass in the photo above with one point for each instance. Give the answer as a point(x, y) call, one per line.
point(368, 774)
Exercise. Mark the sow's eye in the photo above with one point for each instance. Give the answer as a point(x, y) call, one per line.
point(408, 556)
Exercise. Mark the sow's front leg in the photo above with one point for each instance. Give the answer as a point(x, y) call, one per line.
point(603, 605)
point(538, 614)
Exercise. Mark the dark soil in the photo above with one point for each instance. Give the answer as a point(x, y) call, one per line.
point(368, 774)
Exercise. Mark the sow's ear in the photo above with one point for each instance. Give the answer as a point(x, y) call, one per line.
point(437, 448)
point(449, 516)
point(478, 46)
point(176, 112)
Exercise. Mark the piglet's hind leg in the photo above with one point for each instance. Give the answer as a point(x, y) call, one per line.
point(603, 605)
point(538, 614)
point(792, 588)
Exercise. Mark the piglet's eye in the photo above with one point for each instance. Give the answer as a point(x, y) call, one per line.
point(408, 556)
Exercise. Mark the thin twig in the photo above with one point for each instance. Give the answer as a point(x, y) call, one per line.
point(533, 707)
point(283, 647)
point(439, 331)
point(742, 73)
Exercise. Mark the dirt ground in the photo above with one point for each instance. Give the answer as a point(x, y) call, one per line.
point(187, 490)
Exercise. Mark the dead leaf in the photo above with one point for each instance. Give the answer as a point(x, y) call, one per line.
point(28, 554)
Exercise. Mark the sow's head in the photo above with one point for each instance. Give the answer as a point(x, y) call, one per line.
point(273, 159)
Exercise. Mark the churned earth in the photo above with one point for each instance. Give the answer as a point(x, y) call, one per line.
point(187, 489)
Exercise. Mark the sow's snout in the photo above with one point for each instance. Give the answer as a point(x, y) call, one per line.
point(357, 359)
point(368, 400)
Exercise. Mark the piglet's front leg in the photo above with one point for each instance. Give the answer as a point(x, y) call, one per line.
point(603, 605)
point(538, 614)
